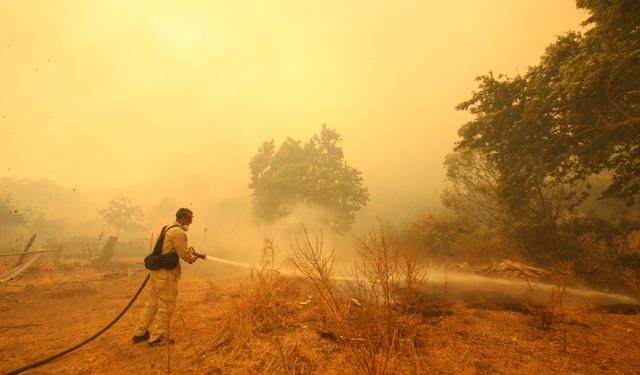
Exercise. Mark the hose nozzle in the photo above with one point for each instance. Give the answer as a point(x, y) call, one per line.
point(201, 256)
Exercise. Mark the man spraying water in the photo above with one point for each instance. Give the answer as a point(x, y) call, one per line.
point(165, 270)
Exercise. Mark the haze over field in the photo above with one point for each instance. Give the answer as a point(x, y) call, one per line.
point(377, 187)
point(164, 100)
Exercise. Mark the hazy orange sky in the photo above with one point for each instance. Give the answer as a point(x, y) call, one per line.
point(106, 94)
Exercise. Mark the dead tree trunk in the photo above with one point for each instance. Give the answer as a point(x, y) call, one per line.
point(107, 251)
point(26, 249)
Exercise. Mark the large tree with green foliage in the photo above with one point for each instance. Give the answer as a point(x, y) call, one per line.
point(575, 114)
point(312, 173)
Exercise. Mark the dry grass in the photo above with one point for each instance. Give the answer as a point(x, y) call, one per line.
point(219, 336)
point(253, 331)
point(373, 322)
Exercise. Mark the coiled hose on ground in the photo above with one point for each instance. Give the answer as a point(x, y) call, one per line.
point(67, 351)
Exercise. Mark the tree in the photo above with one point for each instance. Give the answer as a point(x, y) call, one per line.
point(536, 224)
point(574, 115)
point(473, 190)
point(570, 119)
point(311, 173)
point(122, 214)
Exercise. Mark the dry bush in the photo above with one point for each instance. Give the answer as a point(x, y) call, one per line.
point(309, 258)
point(268, 292)
point(257, 315)
point(413, 277)
point(374, 327)
point(553, 313)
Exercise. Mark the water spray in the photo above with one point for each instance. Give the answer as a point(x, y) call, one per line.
point(462, 281)
point(225, 261)
point(219, 260)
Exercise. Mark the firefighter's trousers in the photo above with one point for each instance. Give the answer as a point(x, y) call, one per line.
point(162, 301)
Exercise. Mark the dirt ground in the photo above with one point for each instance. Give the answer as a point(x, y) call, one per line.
point(53, 306)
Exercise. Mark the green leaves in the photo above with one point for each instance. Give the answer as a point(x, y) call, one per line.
point(312, 173)
point(574, 115)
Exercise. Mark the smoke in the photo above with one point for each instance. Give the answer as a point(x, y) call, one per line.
point(230, 230)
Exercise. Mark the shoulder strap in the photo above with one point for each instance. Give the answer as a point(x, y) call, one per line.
point(157, 249)
point(171, 226)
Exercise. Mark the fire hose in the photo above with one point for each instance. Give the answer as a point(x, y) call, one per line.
point(100, 332)
point(103, 330)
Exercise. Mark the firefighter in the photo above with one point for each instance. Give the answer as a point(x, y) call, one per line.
point(154, 321)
